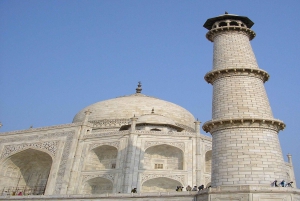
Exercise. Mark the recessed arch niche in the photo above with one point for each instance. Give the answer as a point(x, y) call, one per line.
point(101, 158)
point(208, 157)
point(160, 184)
point(164, 157)
point(97, 185)
point(26, 171)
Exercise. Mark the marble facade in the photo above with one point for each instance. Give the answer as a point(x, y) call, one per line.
point(151, 152)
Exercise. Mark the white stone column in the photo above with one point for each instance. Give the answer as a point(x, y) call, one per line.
point(246, 149)
point(198, 153)
point(130, 162)
point(292, 174)
point(75, 173)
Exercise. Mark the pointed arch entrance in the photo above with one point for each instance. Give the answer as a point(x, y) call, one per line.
point(208, 157)
point(25, 172)
point(97, 185)
point(163, 157)
point(160, 184)
point(101, 158)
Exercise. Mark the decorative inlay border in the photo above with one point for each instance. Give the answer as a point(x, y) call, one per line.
point(109, 123)
point(106, 134)
point(213, 32)
point(211, 76)
point(179, 145)
point(215, 125)
point(50, 147)
point(106, 176)
point(146, 177)
point(114, 144)
point(65, 154)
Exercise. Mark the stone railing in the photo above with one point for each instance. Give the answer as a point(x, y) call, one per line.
point(141, 132)
point(110, 196)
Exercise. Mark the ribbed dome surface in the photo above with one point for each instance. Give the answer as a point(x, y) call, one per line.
point(136, 104)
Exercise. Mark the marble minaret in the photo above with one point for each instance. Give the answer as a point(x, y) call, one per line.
point(246, 149)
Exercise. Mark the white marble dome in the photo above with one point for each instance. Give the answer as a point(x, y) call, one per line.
point(137, 104)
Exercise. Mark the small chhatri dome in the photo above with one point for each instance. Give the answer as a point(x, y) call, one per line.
point(211, 21)
point(139, 88)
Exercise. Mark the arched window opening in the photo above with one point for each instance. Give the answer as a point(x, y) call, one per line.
point(163, 157)
point(25, 173)
point(97, 185)
point(242, 25)
point(100, 158)
point(208, 157)
point(234, 23)
point(155, 129)
point(161, 184)
point(223, 24)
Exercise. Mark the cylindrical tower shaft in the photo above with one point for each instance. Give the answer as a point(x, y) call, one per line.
point(246, 148)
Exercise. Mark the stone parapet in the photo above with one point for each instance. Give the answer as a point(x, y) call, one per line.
point(141, 132)
point(241, 193)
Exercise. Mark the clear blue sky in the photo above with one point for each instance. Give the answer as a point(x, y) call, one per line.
point(57, 57)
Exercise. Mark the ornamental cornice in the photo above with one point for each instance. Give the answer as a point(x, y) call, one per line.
point(220, 124)
point(114, 144)
point(219, 30)
point(146, 177)
point(92, 176)
point(211, 76)
point(179, 145)
point(49, 147)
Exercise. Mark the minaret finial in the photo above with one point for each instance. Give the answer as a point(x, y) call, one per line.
point(139, 88)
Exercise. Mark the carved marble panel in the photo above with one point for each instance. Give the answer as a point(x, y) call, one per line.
point(145, 177)
point(179, 145)
point(114, 144)
point(50, 147)
point(91, 176)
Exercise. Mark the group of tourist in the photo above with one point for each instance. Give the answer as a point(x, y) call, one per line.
point(189, 188)
point(282, 184)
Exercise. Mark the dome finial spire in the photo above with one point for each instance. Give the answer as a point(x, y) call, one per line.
point(139, 88)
